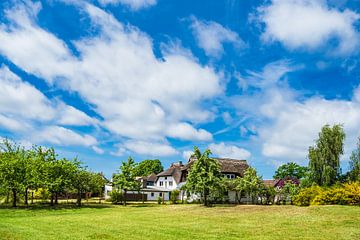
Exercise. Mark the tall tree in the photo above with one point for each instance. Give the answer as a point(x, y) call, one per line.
point(325, 155)
point(354, 173)
point(148, 167)
point(290, 170)
point(125, 179)
point(204, 176)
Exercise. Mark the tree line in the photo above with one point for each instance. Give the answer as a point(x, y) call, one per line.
point(23, 171)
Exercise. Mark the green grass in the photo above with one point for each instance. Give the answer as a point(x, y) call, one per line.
point(181, 222)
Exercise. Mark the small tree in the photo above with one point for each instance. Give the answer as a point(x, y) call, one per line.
point(125, 179)
point(174, 195)
point(97, 184)
point(252, 183)
point(204, 175)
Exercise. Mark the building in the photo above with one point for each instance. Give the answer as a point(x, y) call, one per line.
point(162, 184)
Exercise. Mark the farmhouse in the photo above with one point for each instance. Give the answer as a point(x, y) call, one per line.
point(162, 184)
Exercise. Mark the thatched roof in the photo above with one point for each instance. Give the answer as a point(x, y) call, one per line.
point(227, 165)
point(174, 170)
point(151, 177)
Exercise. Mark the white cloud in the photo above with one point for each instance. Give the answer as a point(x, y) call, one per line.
point(97, 150)
point(211, 36)
point(133, 4)
point(187, 154)
point(139, 96)
point(309, 24)
point(62, 136)
point(229, 151)
point(287, 126)
point(148, 148)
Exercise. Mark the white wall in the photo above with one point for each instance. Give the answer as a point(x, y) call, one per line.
point(166, 182)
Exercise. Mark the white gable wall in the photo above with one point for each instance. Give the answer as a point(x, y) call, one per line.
point(167, 182)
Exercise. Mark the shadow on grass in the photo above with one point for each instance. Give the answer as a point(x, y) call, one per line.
point(61, 206)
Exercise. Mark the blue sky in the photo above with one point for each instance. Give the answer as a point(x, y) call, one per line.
point(106, 79)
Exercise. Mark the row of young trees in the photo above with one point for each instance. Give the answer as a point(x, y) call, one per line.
point(23, 171)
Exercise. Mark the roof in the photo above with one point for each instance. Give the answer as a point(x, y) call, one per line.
point(271, 182)
point(174, 170)
point(227, 165)
point(151, 177)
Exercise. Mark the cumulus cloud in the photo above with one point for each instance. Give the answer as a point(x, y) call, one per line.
point(62, 136)
point(309, 24)
point(286, 125)
point(148, 148)
point(132, 4)
point(211, 36)
point(229, 151)
point(139, 96)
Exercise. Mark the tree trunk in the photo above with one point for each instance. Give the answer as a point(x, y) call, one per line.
point(26, 196)
point(14, 197)
point(52, 200)
point(56, 198)
point(7, 197)
point(205, 198)
point(32, 197)
point(124, 197)
point(78, 201)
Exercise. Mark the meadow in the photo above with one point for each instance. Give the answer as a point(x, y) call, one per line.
point(152, 221)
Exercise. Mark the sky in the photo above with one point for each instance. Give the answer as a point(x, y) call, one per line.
point(103, 80)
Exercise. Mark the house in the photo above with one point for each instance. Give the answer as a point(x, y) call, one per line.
point(173, 178)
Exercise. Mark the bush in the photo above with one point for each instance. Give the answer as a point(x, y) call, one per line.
point(116, 197)
point(173, 196)
point(159, 200)
point(306, 196)
point(345, 194)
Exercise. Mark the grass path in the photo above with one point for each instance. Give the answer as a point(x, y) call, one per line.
point(182, 222)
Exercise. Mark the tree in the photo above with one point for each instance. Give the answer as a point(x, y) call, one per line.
point(13, 171)
point(324, 157)
point(291, 170)
point(81, 181)
point(148, 167)
point(97, 184)
point(251, 183)
point(125, 179)
point(204, 176)
point(354, 173)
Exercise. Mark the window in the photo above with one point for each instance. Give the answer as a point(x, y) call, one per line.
point(165, 178)
point(152, 194)
point(229, 176)
point(161, 183)
point(160, 194)
point(170, 183)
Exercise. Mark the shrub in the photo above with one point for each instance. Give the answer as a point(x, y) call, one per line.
point(116, 197)
point(307, 195)
point(159, 200)
point(346, 194)
point(173, 196)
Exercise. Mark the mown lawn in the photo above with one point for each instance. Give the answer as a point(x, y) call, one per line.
point(181, 222)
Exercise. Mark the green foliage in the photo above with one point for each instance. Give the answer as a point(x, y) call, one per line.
point(125, 179)
point(325, 156)
point(289, 191)
point(251, 183)
point(159, 200)
point(116, 197)
point(174, 195)
point(204, 176)
point(291, 170)
point(148, 167)
point(354, 173)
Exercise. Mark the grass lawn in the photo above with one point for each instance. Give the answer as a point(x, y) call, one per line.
point(181, 222)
